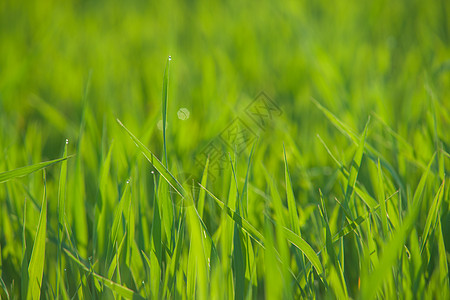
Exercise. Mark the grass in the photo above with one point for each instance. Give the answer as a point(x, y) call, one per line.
point(332, 183)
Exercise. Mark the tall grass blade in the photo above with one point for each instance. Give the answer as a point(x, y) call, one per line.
point(61, 217)
point(36, 265)
point(371, 285)
point(381, 201)
point(157, 164)
point(23, 171)
point(115, 287)
point(432, 216)
point(296, 240)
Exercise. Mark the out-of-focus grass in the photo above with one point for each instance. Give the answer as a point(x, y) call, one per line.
point(124, 226)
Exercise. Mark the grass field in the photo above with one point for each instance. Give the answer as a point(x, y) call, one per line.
point(239, 149)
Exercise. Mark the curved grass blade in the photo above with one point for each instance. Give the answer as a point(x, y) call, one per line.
point(371, 152)
point(296, 240)
point(115, 287)
point(157, 164)
point(23, 171)
point(432, 216)
point(36, 265)
point(371, 284)
point(370, 202)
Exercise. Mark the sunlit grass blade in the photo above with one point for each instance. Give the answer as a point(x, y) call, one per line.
point(443, 261)
point(3, 286)
point(337, 280)
point(115, 287)
point(363, 195)
point(371, 152)
point(117, 221)
point(36, 265)
point(292, 206)
point(25, 260)
point(254, 233)
point(432, 216)
point(307, 250)
point(354, 170)
point(371, 284)
point(23, 171)
point(296, 240)
point(381, 201)
point(273, 278)
point(202, 193)
point(114, 261)
point(156, 244)
point(157, 164)
point(61, 217)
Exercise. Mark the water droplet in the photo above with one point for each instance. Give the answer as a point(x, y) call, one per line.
point(67, 141)
point(170, 57)
point(65, 270)
point(183, 113)
point(143, 282)
point(128, 181)
point(152, 172)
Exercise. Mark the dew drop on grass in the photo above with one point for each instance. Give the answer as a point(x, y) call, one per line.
point(183, 113)
point(170, 57)
point(67, 141)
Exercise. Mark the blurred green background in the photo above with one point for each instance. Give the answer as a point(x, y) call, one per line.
point(355, 57)
point(62, 60)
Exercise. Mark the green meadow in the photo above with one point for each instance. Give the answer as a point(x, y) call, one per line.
point(224, 150)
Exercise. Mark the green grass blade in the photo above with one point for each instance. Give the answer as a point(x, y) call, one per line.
point(156, 244)
point(23, 171)
point(115, 287)
point(432, 216)
point(157, 164)
point(25, 261)
point(61, 217)
point(252, 231)
point(36, 265)
point(382, 203)
point(3, 286)
point(354, 169)
point(371, 284)
point(443, 261)
point(337, 280)
point(370, 202)
point(202, 193)
point(372, 153)
point(301, 244)
point(238, 264)
point(116, 226)
point(292, 206)
point(296, 240)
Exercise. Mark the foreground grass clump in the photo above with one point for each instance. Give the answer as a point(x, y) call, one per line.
point(299, 153)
